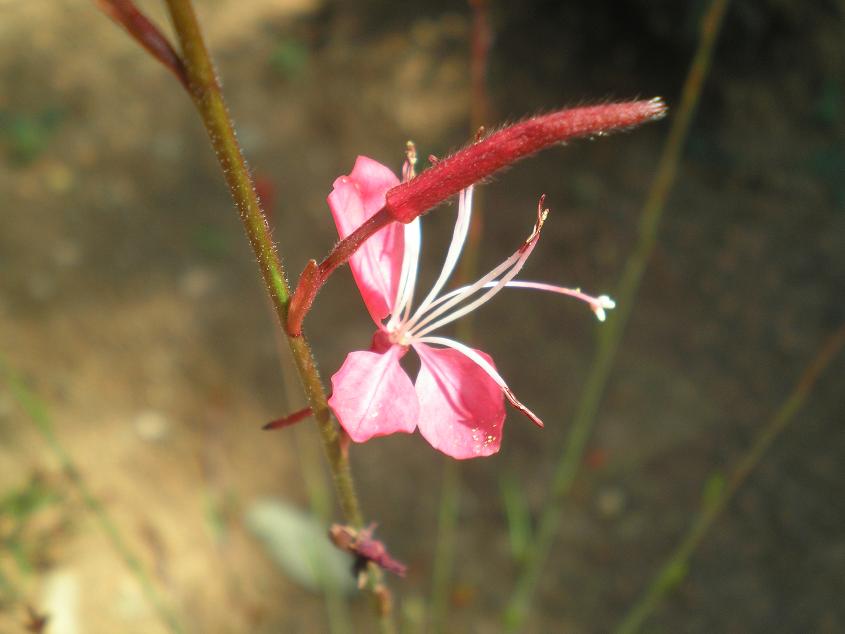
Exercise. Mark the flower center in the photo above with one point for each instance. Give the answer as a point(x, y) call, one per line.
point(398, 334)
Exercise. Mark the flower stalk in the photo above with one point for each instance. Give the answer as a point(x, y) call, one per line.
point(193, 67)
point(204, 88)
point(476, 162)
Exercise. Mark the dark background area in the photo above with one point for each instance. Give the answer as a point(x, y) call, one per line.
point(130, 302)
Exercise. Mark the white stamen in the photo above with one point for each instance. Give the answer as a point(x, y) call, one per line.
point(482, 363)
point(597, 304)
point(512, 265)
point(408, 276)
point(476, 358)
point(455, 247)
point(406, 329)
point(494, 287)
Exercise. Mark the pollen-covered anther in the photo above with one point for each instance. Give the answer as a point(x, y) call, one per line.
point(522, 408)
point(602, 303)
point(542, 214)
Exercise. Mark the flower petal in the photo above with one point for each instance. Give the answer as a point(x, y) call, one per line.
point(377, 264)
point(461, 409)
point(373, 396)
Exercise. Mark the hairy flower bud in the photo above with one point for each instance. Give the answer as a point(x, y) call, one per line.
point(500, 149)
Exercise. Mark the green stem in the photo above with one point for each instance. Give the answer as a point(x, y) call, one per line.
point(205, 91)
point(676, 565)
point(612, 331)
point(444, 556)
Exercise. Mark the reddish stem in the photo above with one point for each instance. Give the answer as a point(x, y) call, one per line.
point(479, 54)
point(315, 275)
point(147, 34)
point(290, 419)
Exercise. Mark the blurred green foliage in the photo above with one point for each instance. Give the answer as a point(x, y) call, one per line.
point(828, 165)
point(212, 242)
point(517, 514)
point(828, 109)
point(22, 536)
point(289, 59)
point(25, 136)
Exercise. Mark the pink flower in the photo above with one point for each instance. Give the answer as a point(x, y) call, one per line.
point(457, 400)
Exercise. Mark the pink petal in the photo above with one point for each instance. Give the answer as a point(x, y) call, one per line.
point(373, 396)
point(462, 410)
point(377, 264)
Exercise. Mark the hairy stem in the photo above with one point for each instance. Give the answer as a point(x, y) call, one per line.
point(147, 34)
point(611, 333)
point(315, 275)
point(205, 91)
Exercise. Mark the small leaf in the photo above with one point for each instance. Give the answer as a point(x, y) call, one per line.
point(290, 58)
point(299, 544)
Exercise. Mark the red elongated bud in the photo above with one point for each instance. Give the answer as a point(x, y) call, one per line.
point(290, 419)
point(480, 160)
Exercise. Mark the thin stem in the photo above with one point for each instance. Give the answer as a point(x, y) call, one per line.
point(611, 332)
point(676, 565)
point(36, 410)
point(318, 490)
point(481, 39)
point(205, 91)
point(315, 275)
point(444, 554)
point(147, 34)
point(479, 113)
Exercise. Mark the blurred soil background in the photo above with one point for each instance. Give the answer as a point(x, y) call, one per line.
point(131, 305)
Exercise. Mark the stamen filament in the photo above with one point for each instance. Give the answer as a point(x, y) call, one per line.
point(407, 278)
point(597, 304)
point(494, 288)
point(455, 247)
point(512, 265)
point(481, 362)
point(415, 322)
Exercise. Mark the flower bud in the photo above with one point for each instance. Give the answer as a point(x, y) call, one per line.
point(492, 153)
